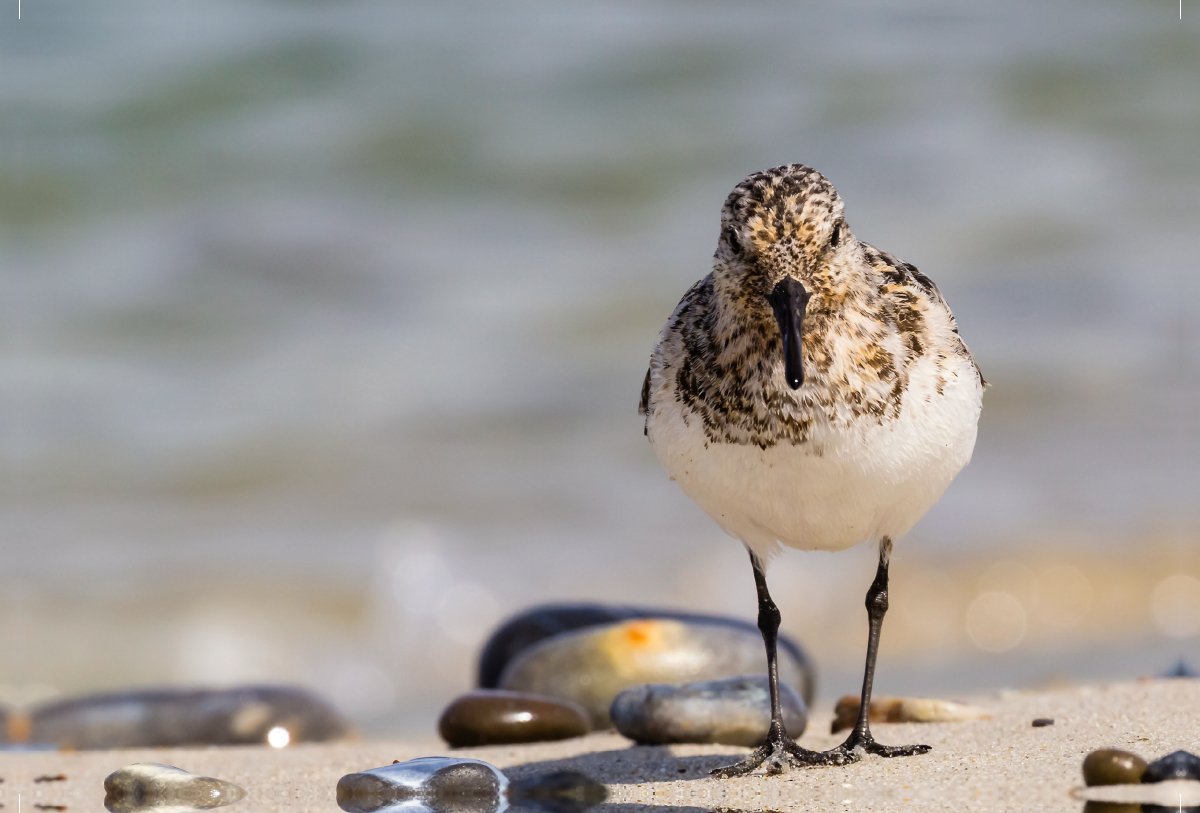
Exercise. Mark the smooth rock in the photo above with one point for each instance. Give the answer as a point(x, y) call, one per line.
point(447, 785)
point(170, 717)
point(736, 711)
point(151, 786)
point(1109, 766)
point(1042, 722)
point(1112, 807)
point(532, 626)
point(496, 717)
point(1181, 669)
point(1177, 765)
point(904, 710)
point(557, 792)
point(591, 666)
point(426, 785)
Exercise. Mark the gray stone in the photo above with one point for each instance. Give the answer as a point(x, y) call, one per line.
point(557, 792)
point(544, 621)
point(591, 666)
point(1176, 765)
point(736, 711)
point(448, 785)
point(151, 786)
point(426, 785)
point(158, 718)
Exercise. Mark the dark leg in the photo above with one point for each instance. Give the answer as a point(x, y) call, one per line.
point(779, 750)
point(877, 605)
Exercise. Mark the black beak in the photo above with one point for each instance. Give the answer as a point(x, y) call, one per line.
point(788, 300)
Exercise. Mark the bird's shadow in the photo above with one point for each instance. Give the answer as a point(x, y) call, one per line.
point(630, 766)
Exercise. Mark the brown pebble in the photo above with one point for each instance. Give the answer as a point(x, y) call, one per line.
point(904, 710)
point(494, 717)
point(1042, 722)
point(1110, 766)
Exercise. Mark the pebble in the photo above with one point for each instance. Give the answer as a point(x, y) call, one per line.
point(495, 717)
point(426, 785)
point(1117, 807)
point(1109, 766)
point(736, 711)
point(150, 786)
point(557, 792)
point(446, 785)
point(545, 621)
point(1181, 669)
point(1177, 765)
point(1042, 722)
point(904, 710)
point(155, 718)
point(591, 666)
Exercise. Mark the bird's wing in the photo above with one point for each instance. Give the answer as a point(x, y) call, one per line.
point(902, 276)
point(674, 324)
point(644, 401)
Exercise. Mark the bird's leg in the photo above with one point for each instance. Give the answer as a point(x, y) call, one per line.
point(877, 605)
point(779, 750)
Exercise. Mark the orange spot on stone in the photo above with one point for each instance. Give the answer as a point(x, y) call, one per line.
point(19, 727)
point(639, 633)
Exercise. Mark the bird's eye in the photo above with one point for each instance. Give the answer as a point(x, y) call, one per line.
point(732, 240)
point(835, 239)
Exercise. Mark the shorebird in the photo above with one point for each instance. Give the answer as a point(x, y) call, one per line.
point(811, 392)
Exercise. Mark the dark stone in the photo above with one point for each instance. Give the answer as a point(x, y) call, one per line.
point(146, 786)
point(426, 785)
point(1181, 669)
point(494, 717)
point(527, 628)
point(167, 717)
point(736, 711)
point(1109, 766)
point(592, 665)
point(1112, 807)
point(1178, 765)
point(557, 792)
point(1042, 722)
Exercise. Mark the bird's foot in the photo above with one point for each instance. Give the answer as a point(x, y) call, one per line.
point(865, 743)
point(779, 753)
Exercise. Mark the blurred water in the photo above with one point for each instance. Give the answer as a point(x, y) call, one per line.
point(301, 299)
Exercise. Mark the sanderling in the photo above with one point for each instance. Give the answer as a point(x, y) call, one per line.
point(812, 391)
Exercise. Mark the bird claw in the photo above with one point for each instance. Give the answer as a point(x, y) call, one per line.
point(867, 744)
point(782, 753)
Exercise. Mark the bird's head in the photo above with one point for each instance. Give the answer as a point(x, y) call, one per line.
point(783, 241)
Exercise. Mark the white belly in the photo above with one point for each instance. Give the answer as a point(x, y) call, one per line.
point(842, 487)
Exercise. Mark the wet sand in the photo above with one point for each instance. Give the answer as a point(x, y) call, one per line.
point(1002, 764)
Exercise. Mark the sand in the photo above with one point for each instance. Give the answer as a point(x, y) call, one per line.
point(1002, 764)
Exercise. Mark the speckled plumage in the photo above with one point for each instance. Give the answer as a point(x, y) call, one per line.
point(887, 413)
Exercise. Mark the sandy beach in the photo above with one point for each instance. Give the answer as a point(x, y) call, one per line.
point(1002, 764)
